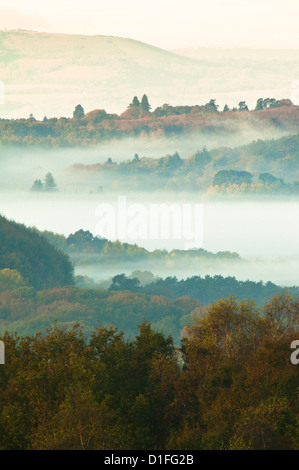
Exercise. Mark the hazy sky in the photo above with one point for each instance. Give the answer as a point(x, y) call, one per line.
point(164, 23)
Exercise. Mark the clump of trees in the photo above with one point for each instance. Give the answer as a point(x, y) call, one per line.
point(225, 177)
point(143, 104)
point(269, 103)
point(269, 179)
point(48, 185)
point(137, 109)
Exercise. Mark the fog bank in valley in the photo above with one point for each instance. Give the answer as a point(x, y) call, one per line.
point(21, 166)
point(264, 232)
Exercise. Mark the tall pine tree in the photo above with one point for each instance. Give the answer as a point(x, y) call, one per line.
point(145, 106)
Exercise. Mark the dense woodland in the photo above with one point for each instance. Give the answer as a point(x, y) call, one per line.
point(27, 311)
point(37, 287)
point(168, 304)
point(206, 289)
point(231, 385)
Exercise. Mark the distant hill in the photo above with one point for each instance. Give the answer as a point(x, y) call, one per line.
point(242, 56)
point(48, 74)
point(42, 265)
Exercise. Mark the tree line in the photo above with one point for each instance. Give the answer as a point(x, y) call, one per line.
point(206, 289)
point(138, 120)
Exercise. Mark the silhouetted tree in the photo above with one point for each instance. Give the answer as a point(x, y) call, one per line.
point(145, 106)
point(243, 106)
point(37, 186)
point(49, 183)
point(78, 112)
point(121, 282)
point(211, 105)
point(259, 105)
point(135, 103)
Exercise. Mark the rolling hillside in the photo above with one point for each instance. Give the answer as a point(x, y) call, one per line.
point(36, 260)
point(48, 74)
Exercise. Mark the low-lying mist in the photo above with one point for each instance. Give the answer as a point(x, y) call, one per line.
point(282, 271)
point(21, 166)
point(264, 231)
